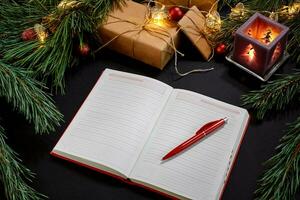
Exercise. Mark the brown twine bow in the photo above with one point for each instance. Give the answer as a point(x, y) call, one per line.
point(154, 30)
point(151, 28)
point(199, 32)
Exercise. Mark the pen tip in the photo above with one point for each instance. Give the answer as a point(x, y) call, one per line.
point(225, 119)
point(166, 157)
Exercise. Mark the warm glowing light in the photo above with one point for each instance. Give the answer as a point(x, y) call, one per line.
point(158, 19)
point(273, 16)
point(251, 54)
point(264, 35)
point(159, 16)
point(41, 33)
point(42, 37)
point(291, 10)
point(259, 44)
point(294, 9)
point(238, 11)
point(67, 4)
point(213, 21)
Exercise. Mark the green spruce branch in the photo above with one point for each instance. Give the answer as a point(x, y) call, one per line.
point(22, 62)
point(26, 95)
point(294, 41)
point(276, 95)
point(14, 175)
point(226, 35)
point(228, 3)
point(281, 179)
point(270, 5)
point(68, 28)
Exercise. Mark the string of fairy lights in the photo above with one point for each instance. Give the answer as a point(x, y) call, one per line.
point(213, 21)
point(160, 16)
point(290, 11)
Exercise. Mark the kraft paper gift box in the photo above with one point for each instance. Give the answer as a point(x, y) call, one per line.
point(193, 26)
point(205, 5)
point(125, 33)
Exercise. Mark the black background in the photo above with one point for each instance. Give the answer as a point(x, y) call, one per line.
point(62, 180)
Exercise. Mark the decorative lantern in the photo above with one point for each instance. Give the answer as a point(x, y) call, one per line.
point(259, 44)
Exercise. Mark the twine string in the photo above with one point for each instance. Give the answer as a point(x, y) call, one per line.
point(158, 32)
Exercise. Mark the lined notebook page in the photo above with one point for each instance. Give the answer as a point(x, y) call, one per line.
point(199, 172)
point(115, 120)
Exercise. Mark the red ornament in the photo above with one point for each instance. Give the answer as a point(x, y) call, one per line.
point(220, 49)
point(84, 49)
point(28, 34)
point(175, 13)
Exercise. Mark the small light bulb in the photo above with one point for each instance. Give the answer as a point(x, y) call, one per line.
point(158, 16)
point(238, 11)
point(41, 33)
point(213, 21)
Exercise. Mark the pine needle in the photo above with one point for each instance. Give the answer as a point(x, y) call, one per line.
point(14, 175)
point(22, 63)
point(67, 29)
point(26, 95)
point(276, 95)
point(281, 179)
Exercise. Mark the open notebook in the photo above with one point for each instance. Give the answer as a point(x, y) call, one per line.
point(129, 122)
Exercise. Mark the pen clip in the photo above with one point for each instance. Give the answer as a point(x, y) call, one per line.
point(208, 125)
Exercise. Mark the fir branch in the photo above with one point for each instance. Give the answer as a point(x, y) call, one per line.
point(229, 26)
point(294, 41)
point(232, 3)
point(13, 174)
point(281, 180)
point(269, 5)
point(276, 94)
point(66, 27)
point(25, 95)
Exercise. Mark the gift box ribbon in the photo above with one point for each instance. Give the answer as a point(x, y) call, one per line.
point(148, 26)
point(154, 30)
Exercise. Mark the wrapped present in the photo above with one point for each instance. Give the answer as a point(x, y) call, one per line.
point(129, 31)
point(205, 5)
point(193, 26)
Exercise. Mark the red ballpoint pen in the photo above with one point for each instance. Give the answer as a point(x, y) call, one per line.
point(201, 133)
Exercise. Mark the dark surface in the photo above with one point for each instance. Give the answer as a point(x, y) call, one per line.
point(61, 180)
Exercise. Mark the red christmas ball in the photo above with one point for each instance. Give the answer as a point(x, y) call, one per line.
point(28, 34)
point(84, 49)
point(175, 13)
point(220, 49)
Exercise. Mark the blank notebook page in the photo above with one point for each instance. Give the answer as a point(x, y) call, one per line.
point(115, 120)
point(199, 172)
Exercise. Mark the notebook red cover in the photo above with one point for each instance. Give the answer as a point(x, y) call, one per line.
point(235, 158)
point(143, 186)
point(102, 171)
point(128, 181)
point(113, 175)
